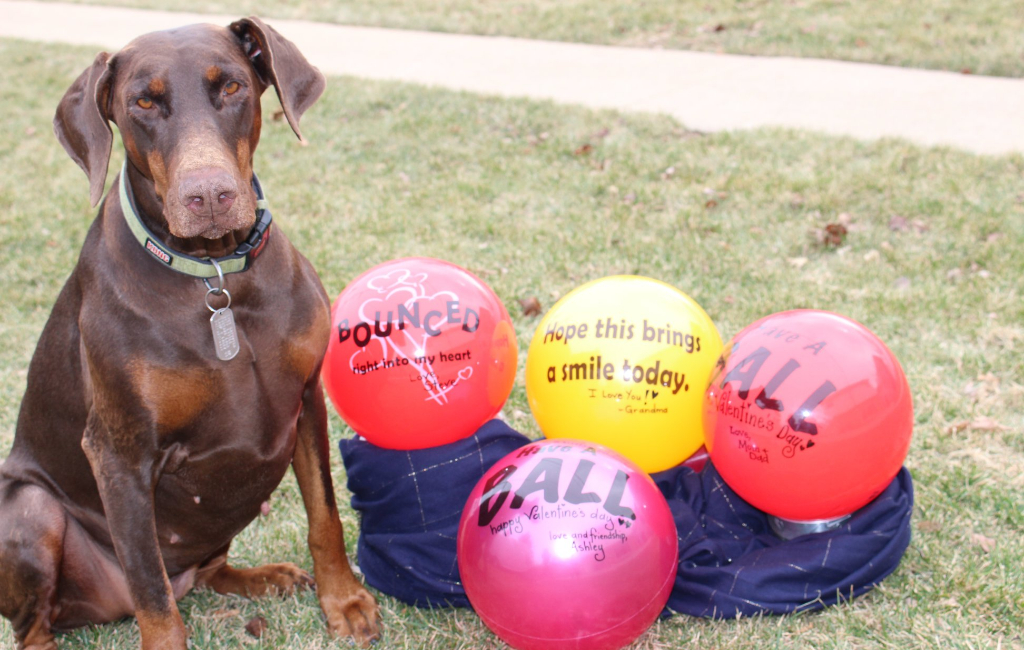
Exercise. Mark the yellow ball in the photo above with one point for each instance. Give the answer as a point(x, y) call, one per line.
point(624, 362)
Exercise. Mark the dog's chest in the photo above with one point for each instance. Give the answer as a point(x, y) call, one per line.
point(227, 429)
point(211, 403)
point(224, 460)
point(227, 424)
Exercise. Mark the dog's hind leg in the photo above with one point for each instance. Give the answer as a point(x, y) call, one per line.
point(32, 527)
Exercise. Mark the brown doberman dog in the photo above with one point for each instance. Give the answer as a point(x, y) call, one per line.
point(178, 375)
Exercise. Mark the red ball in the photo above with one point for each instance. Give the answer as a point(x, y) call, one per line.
point(566, 544)
point(421, 354)
point(808, 415)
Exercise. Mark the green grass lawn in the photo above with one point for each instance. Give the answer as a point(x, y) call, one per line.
point(932, 263)
point(980, 36)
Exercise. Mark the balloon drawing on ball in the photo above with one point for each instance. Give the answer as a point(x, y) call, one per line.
point(808, 417)
point(422, 353)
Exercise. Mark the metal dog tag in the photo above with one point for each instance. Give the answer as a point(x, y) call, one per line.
point(225, 337)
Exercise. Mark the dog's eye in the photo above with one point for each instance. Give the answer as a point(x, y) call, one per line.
point(232, 87)
point(144, 102)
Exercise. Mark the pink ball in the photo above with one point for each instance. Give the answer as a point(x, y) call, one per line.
point(565, 544)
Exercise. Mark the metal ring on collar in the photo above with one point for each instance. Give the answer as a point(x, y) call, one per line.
point(220, 277)
point(217, 291)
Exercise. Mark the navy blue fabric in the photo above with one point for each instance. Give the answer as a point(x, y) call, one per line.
point(730, 563)
point(410, 503)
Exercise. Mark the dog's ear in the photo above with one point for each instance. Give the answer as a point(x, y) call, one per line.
point(82, 123)
point(279, 63)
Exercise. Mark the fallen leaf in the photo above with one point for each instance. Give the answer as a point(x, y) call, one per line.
point(966, 71)
point(711, 203)
point(834, 235)
point(224, 613)
point(256, 627)
point(990, 379)
point(985, 423)
point(986, 544)
point(531, 306)
point(970, 389)
point(720, 27)
point(957, 427)
point(898, 223)
point(583, 150)
point(928, 526)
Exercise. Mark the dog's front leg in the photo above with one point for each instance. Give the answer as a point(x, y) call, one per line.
point(125, 476)
point(348, 606)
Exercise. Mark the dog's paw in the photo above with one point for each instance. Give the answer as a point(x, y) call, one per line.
point(355, 617)
point(281, 579)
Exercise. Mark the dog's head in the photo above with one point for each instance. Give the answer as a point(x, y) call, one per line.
point(187, 104)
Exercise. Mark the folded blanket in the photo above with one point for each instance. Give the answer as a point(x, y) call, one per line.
point(410, 503)
point(730, 563)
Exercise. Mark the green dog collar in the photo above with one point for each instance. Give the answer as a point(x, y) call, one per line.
point(204, 267)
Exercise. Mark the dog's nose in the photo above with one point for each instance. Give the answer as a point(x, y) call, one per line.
point(208, 192)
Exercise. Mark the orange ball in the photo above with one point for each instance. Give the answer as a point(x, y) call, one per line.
point(422, 353)
point(808, 415)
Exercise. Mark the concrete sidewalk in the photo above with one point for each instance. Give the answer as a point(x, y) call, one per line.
point(706, 92)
